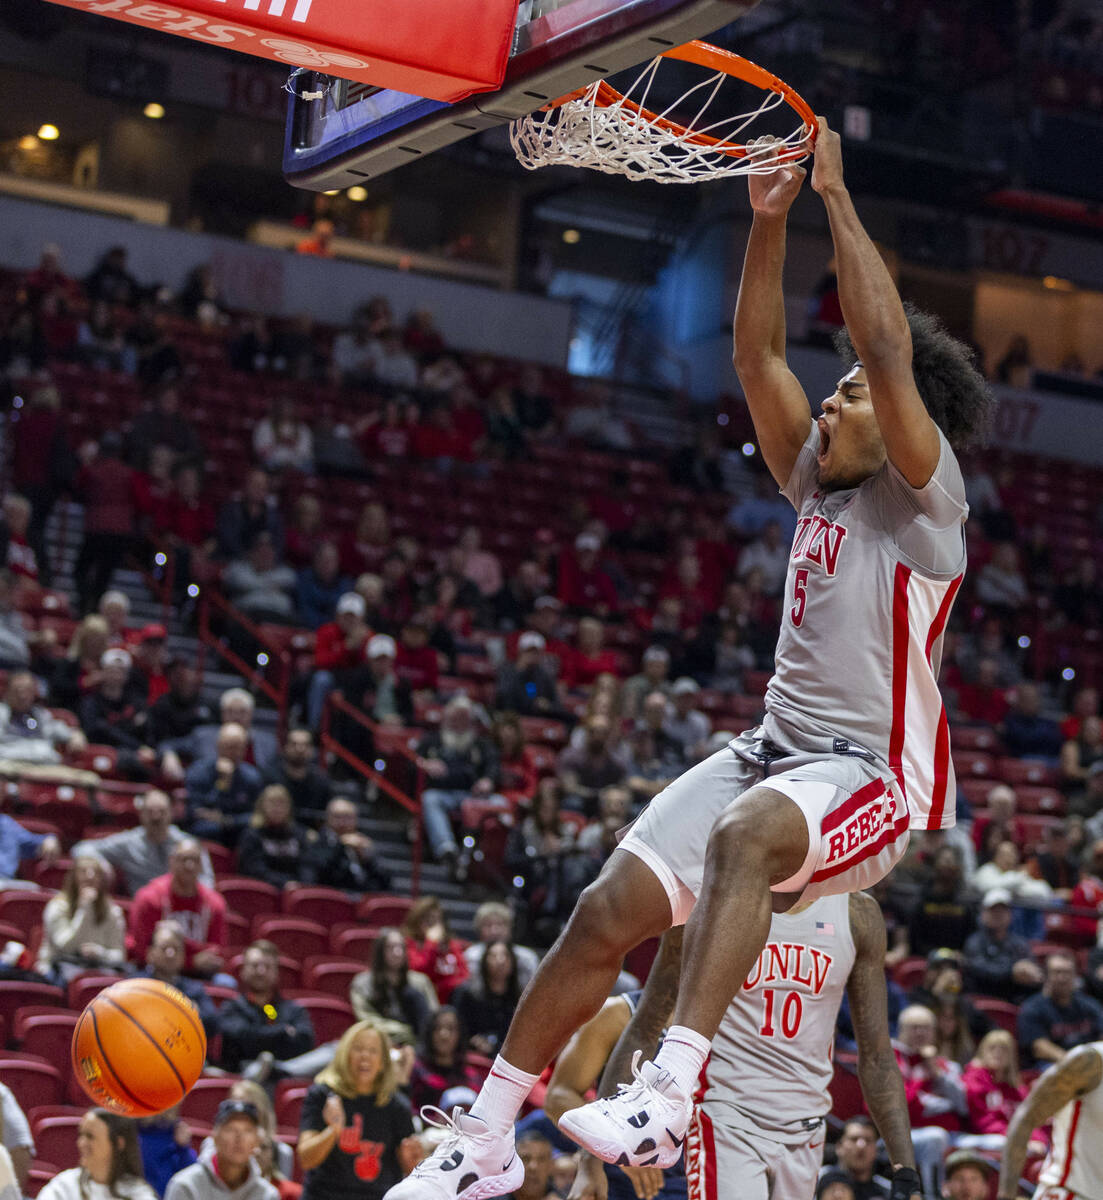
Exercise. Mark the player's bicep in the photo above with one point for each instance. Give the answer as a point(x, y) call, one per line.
point(910, 436)
point(780, 412)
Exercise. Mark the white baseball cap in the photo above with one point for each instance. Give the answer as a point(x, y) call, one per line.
point(352, 602)
point(531, 641)
point(382, 644)
point(684, 686)
point(587, 541)
point(116, 657)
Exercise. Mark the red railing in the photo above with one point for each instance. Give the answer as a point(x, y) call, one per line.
point(257, 673)
point(329, 744)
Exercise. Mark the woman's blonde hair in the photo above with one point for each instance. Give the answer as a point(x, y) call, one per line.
point(338, 1075)
point(254, 1094)
point(1000, 1037)
point(257, 820)
point(93, 625)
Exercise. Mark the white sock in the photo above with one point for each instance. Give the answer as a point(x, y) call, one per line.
point(683, 1054)
point(502, 1095)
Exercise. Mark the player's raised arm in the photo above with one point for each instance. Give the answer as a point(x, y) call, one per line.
point(779, 407)
point(878, 1070)
point(1078, 1073)
point(876, 323)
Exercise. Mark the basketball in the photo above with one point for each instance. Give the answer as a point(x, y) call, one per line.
point(138, 1047)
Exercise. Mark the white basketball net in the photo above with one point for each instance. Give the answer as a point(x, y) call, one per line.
point(618, 140)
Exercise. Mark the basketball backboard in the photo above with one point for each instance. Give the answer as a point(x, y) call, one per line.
point(356, 132)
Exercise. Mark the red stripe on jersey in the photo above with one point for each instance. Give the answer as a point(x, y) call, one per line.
point(942, 616)
point(702, 1080)
point(1072, 1138)
point(863, 796)
point(901, 635)
point(708, 1146)
point(942, 736)
point(889, 834)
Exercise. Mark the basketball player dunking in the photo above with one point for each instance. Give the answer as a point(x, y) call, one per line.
point(818, 800)
point(1071, 1093)
point(758, 1130)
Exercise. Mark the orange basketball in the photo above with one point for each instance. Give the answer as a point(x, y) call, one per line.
point(138, 1047)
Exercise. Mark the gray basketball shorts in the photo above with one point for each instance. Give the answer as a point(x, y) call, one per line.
point(857, 821)
point(723, 1163)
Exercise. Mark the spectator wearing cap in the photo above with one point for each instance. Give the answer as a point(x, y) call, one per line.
point(998, 962)
point(855, 1159)
point(259, 1019)
point(1060, 1017)
point(416, 661)
point(584, 586)
point(114, 714)
point(525, 686)
point(223, 789)
point(654, 675)
point(458, 762)
point(834, 1184)
point(29, 733)
point(941, 991)
point(320, 587)
point(589, 658)
point(967, 1175)
point(686, 724)
point(297, 770)
point(386, 696)
point(149, 669)
point(236, 706)
point(343, 857)
point(228, 1169)
point(339, 650)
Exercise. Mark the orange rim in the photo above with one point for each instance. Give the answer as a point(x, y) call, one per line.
point(715, 59)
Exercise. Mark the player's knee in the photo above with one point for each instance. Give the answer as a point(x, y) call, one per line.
point(600, 920)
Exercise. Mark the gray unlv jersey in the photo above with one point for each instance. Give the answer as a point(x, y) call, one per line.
point(770, 1065)
point(872, 575)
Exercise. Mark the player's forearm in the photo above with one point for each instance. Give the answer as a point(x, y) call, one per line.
point(883, 1089)
point(871, 306)
point(759, 328)
point(652, 1013)
point(561, 1099)
point(1014, 1153)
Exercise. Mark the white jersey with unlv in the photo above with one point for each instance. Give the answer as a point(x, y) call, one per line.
point(873, 573)
point(1075, 1159)
point(770, 1066)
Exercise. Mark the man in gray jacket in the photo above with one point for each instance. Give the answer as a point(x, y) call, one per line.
point(29, 733)
point(141, 854)
point(227, 1169)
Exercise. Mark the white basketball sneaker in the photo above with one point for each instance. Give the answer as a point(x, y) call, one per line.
point(470, 1164)
point(643, 1125)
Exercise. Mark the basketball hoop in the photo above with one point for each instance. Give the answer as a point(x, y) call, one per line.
point(601, 128)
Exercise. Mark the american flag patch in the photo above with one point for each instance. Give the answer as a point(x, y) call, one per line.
point(826, 927)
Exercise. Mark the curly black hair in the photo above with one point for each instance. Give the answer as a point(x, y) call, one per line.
point(956, 394)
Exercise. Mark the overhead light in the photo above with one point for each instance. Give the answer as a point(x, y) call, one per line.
point(572, 237)
point(357, 193)
point(28, 142)
point(332, 192)
point(49, 133)
point(154, 111)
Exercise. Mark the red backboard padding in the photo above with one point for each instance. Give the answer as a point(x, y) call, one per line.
point(442, 49)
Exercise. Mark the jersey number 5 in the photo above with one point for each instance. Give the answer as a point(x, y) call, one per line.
point(792, 1010)
point(800, 595)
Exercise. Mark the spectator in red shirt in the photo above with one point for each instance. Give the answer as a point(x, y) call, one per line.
point(688, 586)
point(416, 661)
point(197, 910)
point(440, 441)
point(338, 653)
point(388, 432)
point(517, 769)
point(150, 666)
point(467, 420)
point(1088, 893)
point(994, 1090)
point(583, 584)
point(1084, 704)
point(105, 483)
point(432, 949)
point(21, 559)
point(588, 659)
point(41, 463)
point(154, 489)
point(366, 546)
point(984, 701)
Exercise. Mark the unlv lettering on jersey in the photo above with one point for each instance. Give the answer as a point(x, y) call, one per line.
point(790, 962)
point(817, 540)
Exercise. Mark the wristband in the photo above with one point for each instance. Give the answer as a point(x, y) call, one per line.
point(906, 1183)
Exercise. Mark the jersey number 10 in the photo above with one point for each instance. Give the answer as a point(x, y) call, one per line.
point(789, 1012)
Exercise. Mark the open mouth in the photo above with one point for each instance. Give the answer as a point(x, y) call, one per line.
point(825, 440)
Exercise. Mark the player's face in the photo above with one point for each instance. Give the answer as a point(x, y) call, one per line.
point(850, 448)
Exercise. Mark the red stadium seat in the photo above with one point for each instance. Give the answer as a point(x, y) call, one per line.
point(83, 987)
point(378, 911)
point(238, 930)
point(250, 898)
point(1077, 932)
point(1034, 827)
point(50, 874)
point(1001, 1012)
point(47, 1035)
point(638, 960)
point(909, 973)
point(33, 1080)
point(289, 972)
point(354, 942)
point(289, 1101)
point(330, 1015)
point(977, 763)
point(1040, 799)
point(544, 730)
point(974, 737)
point(976, 790)
point(846, 1092)
point(56, 1137)
point(219, 995)
point(23, 908)
point(331, 975)
point(1020, 770)
point(39, 1175)
point(296, 938)
point(72, 817)
point(17, 995)
point(201, 1103)
point(223, 860)
point(326, 905)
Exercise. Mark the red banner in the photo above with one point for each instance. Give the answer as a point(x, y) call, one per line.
point(443, 49)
